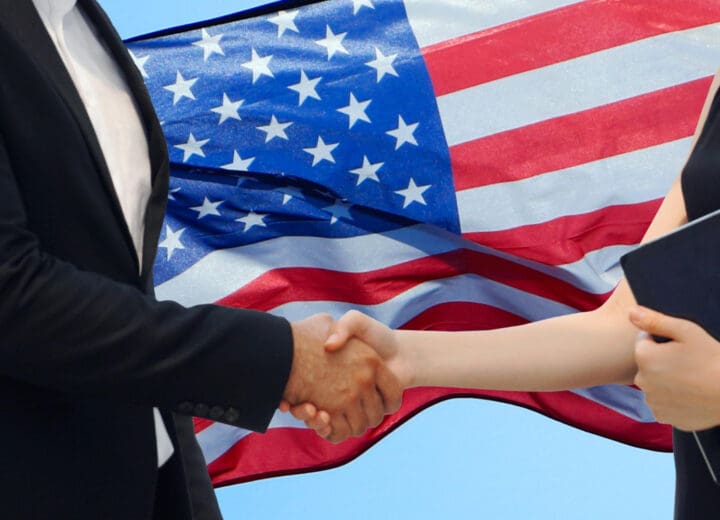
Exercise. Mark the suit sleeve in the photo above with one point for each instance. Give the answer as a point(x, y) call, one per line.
point(82, 334)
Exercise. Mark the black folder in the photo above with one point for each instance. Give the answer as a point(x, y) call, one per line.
point(679, 274)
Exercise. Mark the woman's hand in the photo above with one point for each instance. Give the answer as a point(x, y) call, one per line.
point(680, 378)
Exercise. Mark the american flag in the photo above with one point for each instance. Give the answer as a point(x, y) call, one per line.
point(436, 164)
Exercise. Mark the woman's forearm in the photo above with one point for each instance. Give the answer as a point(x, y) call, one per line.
point(572, 351)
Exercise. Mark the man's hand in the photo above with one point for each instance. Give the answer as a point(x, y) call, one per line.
point(680, 378)
point(352, 386)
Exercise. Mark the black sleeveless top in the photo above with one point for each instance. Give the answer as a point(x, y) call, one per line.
point(697, 497)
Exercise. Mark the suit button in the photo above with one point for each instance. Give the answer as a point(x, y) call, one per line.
point(232, 415)
point(186, 407)
point(216, 412)
point(201, 410)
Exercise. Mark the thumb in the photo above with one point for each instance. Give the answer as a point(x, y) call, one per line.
point(658, 324)
point(351, 324)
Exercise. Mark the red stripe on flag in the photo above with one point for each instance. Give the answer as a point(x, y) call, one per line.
point(463, 316)
point(281, 286)
point(562, 142)
point(568, 239)
point(284, 451)
point(202, 424)
point(558, 35)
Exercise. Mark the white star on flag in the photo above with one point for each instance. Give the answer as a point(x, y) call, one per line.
point(356, 110)
point(209, 44)
point(404, 133)
point(289, 193)
point(306, 87)
point(275, 129)
point(259, 65)
point(252, 219)
point(332, 42)
point(238, 164)
point(171, 193)
point(172, 240)
point(383, 64)
point(367, 171)
point(322, 151)
point(140, 63)
point(192, 147)
point(285, 21)
point(228, 109)
point(357, 4)
point(181, 88)
point(413, 193)
point(338, 210)
point(207, 208)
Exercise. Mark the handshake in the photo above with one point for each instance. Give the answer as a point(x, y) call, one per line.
point(346, 374)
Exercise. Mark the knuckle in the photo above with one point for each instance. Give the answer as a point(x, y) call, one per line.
point(325, 317)
point(366, 380)
point(686, 328)
point(352, 314)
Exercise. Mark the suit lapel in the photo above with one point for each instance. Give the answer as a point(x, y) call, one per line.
point(155, 211)
point(21, 20)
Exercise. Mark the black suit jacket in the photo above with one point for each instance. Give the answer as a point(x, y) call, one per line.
point(85, 349)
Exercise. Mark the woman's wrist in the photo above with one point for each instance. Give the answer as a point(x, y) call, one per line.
point(406, 359)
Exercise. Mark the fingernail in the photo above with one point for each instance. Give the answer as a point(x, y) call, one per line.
point(332, 338)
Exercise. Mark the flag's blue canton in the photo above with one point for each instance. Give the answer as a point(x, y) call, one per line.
point(335, 93)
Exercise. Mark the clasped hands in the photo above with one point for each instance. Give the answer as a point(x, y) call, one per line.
point(345, 375)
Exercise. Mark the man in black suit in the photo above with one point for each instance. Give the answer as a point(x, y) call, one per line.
point(98, 380)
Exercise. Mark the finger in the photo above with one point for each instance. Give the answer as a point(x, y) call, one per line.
point(351, 324)
point(321, 428)
point(326, 430)
point(659, 324)
point(319, 421)
point(340, 428)
point(357, 419)
point(304, 411)
point(374, 407)
point(389, 388)
point(284, 406)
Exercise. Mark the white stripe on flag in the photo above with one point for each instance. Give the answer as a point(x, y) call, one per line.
point(625, 72)
point(629, 178)
point(435, 22)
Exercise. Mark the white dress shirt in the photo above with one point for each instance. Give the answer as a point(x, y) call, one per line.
point(116, 121)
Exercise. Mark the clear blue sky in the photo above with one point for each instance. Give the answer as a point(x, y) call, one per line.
point(461, 459)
